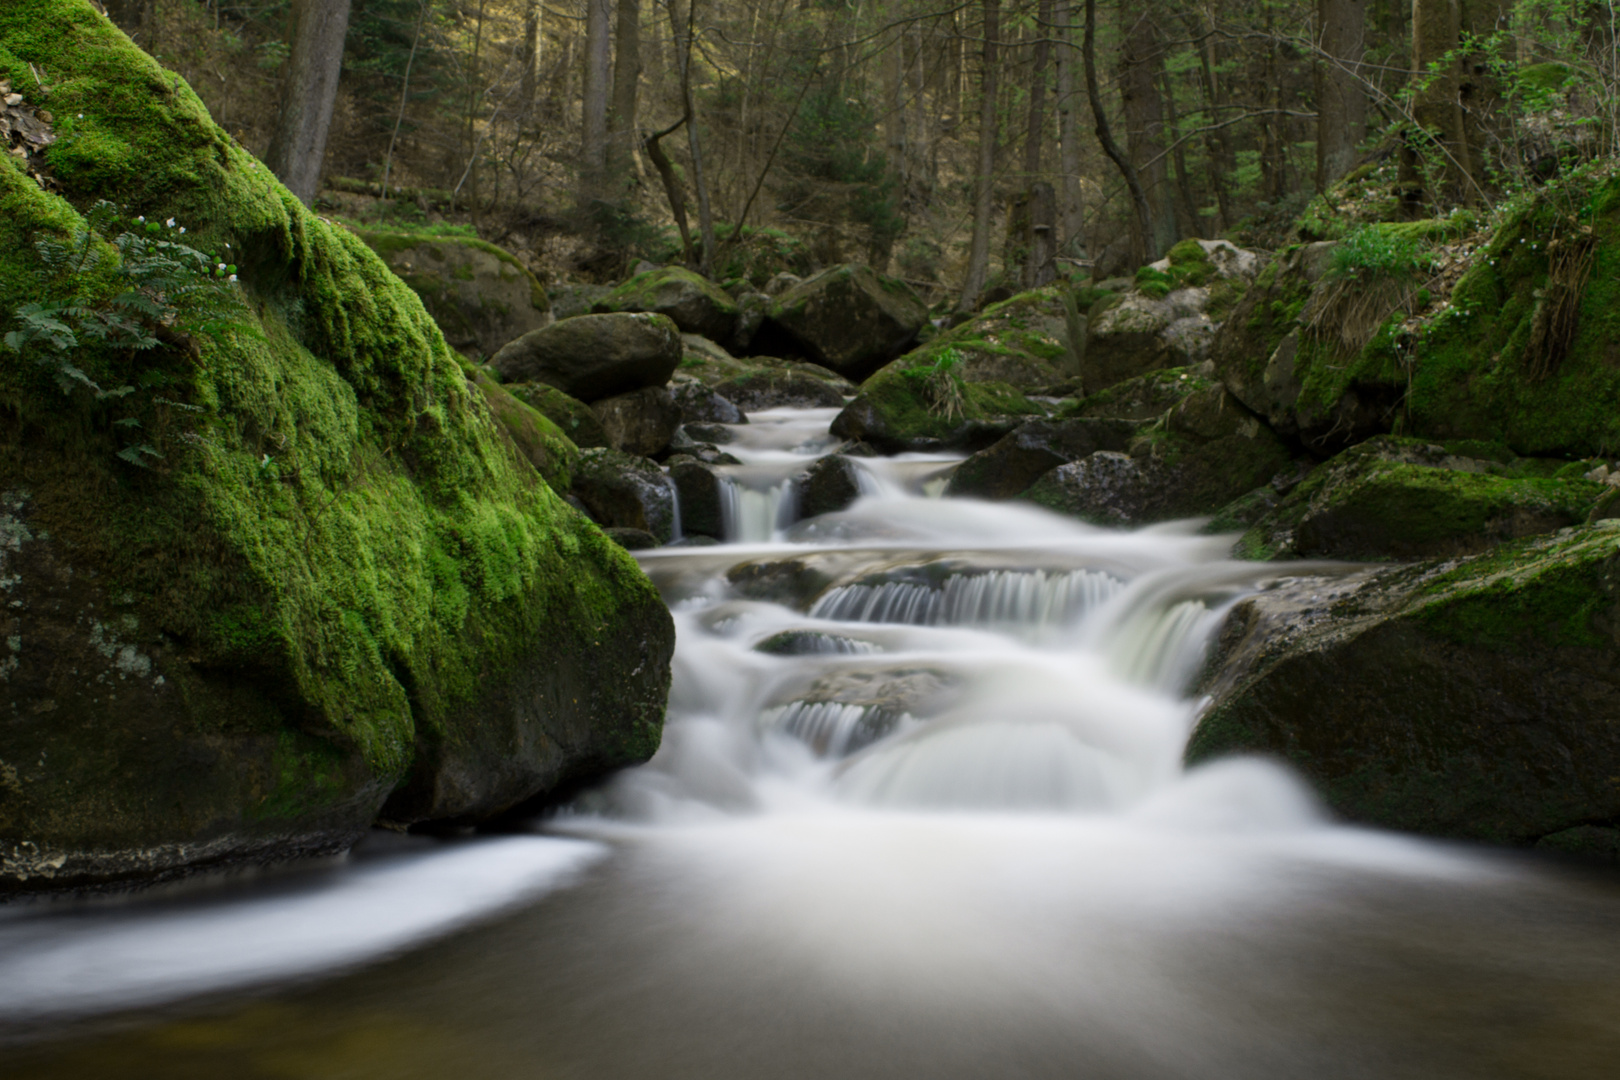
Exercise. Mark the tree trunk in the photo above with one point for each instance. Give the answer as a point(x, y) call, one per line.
point(681, 23)
point(298, 148)
point(1187, 213)
point(593, 130)
point(1035, 140)
point(1139, 200)
point(626, 81)
point(529, 86)
point(1341, 103)
point(1071, 210)
point(1141, 58)
point(1222, 160)
point(1435, 164)
point(984, 179)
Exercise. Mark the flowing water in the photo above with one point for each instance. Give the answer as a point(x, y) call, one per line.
point(919, 812)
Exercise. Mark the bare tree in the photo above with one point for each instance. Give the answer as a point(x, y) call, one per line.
point(1341, 103)
point(1105, 136)
point(298, 148)
point(626, 80)
point(984, 179)
point(1071, 212)
point(593, 134)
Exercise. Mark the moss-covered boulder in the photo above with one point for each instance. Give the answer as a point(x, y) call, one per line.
point(1008, 467)
point(479, 294)
point(591, 357)
point(1200, 456)
point(318, 579)
point(1171, 316)
point(847, 318)
point(641, 422)
point(1146, 397)
point(536, 438)
point(622, 491)
point(1476, 699)
point(762, 382)
point(572, 416)
point(693, 302)
point(1023, 341)
point(1391, 497)
point(914, 405)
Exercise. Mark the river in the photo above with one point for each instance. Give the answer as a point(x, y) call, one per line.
point(919, 812)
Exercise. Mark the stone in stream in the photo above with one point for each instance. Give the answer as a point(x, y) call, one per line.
point(337, 598)
point(846, 318)
point(700, 405)
point(572, 416)
point(1392, 497)
point(828, 486)
point(623, 491)
point(708, 453)
point(695, 304)
point(1008, 467)
point(641, 422)
point(1477, 698)
point(701, 491)
point(591, 357)
point(632, 539)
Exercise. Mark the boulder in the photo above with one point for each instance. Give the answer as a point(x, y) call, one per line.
point(632, 539)
point(929, 407)
point(846, 318)
point(784, 384)
point(574, 299)
point(752, 308)
point(828, 486)
point(683, 445)
point(1208, 451)
point(693, 302)
point(1009, 466)
point(1477, 699)
point(1401, 498)
point(622, 491)
point(1022, 341)
point(480, 295)
point(591, 357)
point(1146, 397)
point(701, 491)
point(700, 405)
point(1170, 318)
point(337, 596)
point(641, 422)
point(535, 438)
point(781, 283)
point(572, 416)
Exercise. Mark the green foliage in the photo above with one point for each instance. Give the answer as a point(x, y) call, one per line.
point(1379, 251)
point(941, 383)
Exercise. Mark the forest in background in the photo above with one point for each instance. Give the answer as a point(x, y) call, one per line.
point(969, 149)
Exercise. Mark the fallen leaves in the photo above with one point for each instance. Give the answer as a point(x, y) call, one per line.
point(25, 133)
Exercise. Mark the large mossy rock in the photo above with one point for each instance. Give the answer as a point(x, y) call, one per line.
point(762, 382)
point(693, 302)
point(591, 357)
point(1476, 699)
point(572, 416)
point(479, 294)
point(536, 438)
point(338, 586)
point(1206, 451)
point(1400, 498)
point(907, 407)
point(1170, 318)
point(847, 318)
point(1023, 341)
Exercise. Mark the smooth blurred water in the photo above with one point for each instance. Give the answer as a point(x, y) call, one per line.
point(926, 818)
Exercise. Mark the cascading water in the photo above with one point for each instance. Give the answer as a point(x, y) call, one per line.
point(919, 811)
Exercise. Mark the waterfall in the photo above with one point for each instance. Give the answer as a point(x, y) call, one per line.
point(832, 729)
point(1021, 601)
point(753, 515)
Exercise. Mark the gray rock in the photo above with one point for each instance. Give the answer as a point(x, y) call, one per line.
point(625, 492)
point(693, 302)
point(641, 422)
point(751, 310)
point(594, 356)
point(572, 300)
point(700, 490)
point(1007, 468)
point(712, 434)
point(847, 318)
point(781, 283)
point(700, 405)
point(828, 486)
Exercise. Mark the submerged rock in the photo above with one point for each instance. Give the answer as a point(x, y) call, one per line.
point(594, 356)
point(1407, 498)
point(828, 486)
point(693, 302)
point(641, 422)
point(622, 491)
point(846, 318)
point(334, 585)
point(480, 295)
point(1476, 699)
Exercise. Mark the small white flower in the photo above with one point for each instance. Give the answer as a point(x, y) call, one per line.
point(231, 278)
point(141, 219)
point(221, 266)
point(170, 223)
point(182, 230)
point(81, 116)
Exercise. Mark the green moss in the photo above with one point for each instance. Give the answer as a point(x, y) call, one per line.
point(398, 560)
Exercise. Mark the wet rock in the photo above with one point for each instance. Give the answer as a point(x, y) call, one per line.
point(784, 385)
point(701, 491)
point(752, 308)
point(828, 486)
point(594, 356)
point(1407, 498)
point(899, 410)
point(711, 434)
point(700, 405)
point(1023, 341)
point(572, 416)
point(632, 539)
point(537, 440)
point(641, 422)
point(812, 643)
point(683, 445)
point(1146, 397)
point(691, 301)
point(1009, 466)
point(794, 582)
point(623, 491)
point(480, 295)
point(1476, 698)
point(846, 318)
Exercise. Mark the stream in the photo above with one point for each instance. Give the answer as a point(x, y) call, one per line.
point(919, 812)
